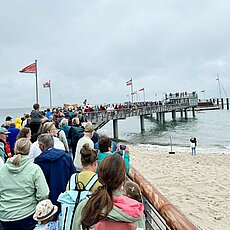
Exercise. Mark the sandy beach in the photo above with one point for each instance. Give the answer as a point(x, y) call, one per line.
point(197, 185)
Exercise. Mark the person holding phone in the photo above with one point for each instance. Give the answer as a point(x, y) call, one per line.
point(105, 149)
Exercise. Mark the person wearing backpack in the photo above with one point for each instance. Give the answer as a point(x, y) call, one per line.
point(75, 133)
point(79, 187)
point(89, 163)
point(107, 203)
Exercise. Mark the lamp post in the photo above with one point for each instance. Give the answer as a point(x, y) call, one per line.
point(203, 91)
point(171, 152)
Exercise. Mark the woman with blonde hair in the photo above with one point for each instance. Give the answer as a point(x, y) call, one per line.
point(22, 186)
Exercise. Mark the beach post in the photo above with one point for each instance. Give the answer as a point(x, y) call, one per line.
point(171, 152)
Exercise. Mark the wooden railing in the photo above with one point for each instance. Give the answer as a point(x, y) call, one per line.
point(100, 118)
point(160, 213)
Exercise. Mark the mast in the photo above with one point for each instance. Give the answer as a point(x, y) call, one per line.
point(218, 79)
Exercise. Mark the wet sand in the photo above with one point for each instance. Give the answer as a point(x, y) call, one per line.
point(197, 185)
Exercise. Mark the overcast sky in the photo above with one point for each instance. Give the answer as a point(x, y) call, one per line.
point(90, 48)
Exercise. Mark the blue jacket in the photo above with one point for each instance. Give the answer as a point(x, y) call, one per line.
point(57, 167)
point(12, 137)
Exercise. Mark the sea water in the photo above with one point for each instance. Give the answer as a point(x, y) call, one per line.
point(211, 129)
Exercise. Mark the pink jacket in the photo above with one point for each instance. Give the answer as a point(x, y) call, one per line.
point(129, 206)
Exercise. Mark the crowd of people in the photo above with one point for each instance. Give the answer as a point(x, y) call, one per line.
point(47, 153)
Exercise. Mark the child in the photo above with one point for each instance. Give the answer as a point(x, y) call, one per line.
point(44, 213)
point(132, 190)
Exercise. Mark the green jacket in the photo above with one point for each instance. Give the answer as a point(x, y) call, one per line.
point(21, 188)
point(115, 214)
point(101, 156)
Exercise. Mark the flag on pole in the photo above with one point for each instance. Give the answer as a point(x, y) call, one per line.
point(129, 82)
point(142, 89)
point(32, 68)
point(46, 84)
point(134, 93)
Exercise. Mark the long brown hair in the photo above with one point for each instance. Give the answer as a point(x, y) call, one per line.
point(111, 175)
point(23, 132)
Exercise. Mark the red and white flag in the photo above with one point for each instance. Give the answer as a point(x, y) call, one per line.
point(129, 82)
point(32, 68)
point(135, 92)
point(46, 84)
point(142, 89)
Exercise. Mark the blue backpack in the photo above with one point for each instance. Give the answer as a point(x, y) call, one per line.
point(70, 199)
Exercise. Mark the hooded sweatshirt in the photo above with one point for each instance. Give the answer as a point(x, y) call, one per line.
point(57, 167)
point(21, 188)
point(124, 210)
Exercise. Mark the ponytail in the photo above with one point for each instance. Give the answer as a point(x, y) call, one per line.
point(97, 208)
point(17, 159)
point(111, 175)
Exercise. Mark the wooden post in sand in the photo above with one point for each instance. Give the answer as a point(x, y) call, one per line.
point(227, 102)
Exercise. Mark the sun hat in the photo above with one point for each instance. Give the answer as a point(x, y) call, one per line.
point(44, 210)
point(89, 127)
point(4, 130)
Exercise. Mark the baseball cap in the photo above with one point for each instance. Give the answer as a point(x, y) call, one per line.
point(3, 130)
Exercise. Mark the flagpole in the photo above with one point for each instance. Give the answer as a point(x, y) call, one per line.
point(132, 89)
point(36, 75)
point(50, 95)
point(144, 94)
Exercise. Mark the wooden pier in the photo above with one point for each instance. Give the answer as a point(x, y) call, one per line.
point(173, 104)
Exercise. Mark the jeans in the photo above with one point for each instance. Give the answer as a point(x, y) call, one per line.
point(27, 223)
point(193, 150)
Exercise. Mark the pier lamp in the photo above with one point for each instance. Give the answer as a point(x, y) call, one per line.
point(203, 91)
point(171, 152)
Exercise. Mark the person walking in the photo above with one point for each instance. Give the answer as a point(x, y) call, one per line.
point(107, 204)
point(22, 186)
point(4, 146)
point(56, 165)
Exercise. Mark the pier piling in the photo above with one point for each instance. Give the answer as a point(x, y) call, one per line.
point(115, 129)
point(142, 123)
point(222, 103)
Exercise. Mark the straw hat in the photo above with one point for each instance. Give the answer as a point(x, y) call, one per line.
point(44, 210)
